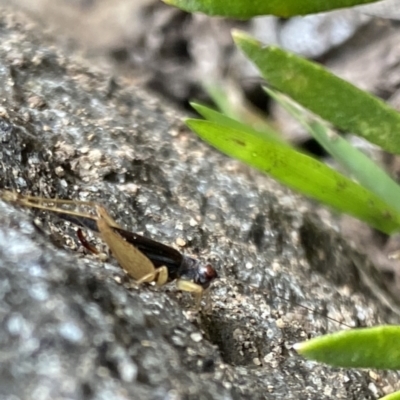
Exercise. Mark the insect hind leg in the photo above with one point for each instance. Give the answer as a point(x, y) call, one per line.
point(159, 276)
point(54, 205)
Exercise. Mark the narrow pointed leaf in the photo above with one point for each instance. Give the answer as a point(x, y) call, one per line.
point(326, 95)
point(358, 348)
point(219, 96)
point(301, 173)
point(392, 396)
point(230, 100)
point(354, 161)
point(244, 9)
point(215, 116)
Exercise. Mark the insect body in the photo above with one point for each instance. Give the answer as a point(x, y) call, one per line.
point(144, 259)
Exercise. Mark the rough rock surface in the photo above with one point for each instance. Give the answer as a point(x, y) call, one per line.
point(73, 327)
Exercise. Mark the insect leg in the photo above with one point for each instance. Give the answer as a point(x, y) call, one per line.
point(159, 276)
point(191, 287)
point(54, 205)
point(88, 246)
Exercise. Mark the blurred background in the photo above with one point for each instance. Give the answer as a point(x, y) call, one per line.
point(175, 53)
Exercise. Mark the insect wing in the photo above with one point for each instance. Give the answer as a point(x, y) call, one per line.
point(158, 253)
point(133, 261)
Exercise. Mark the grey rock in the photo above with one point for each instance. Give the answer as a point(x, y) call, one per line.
point(384, 9)
point(73, 327)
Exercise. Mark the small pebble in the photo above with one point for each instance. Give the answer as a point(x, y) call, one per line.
point(196, 337)
point(180, 242)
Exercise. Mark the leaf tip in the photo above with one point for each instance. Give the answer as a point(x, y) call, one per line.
point(299, 347)
point(238, 34)
point(189, 122)
point(241, 37)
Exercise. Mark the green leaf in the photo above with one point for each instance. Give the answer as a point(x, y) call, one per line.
point(301, 173)
point(328, 96)
point(376, 347)
point(215, 116)
point(392, 396)
point(221, 99)
point(244, 9)
point(231, 101)
point(359, 166)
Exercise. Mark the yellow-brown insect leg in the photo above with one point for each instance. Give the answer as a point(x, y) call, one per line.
point(162, 276)
point(159, 276)
point(53, 205)
point(133, 261)
point(196, 290)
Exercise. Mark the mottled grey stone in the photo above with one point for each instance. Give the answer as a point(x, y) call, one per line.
point(73, 327)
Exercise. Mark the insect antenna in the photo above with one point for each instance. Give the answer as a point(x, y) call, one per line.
point(315, 312)
point(268, 293)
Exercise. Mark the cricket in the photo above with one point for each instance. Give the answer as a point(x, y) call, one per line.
point(143, 259)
